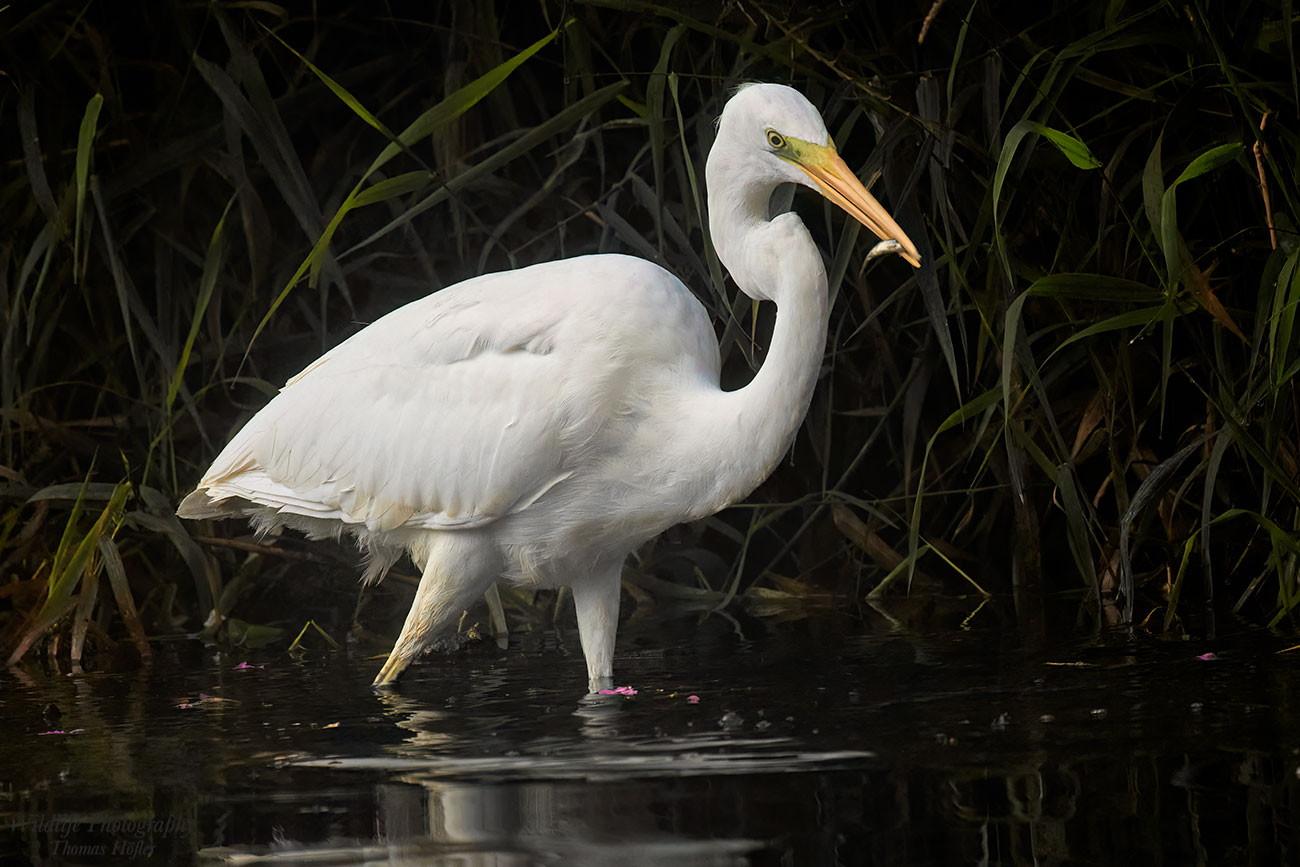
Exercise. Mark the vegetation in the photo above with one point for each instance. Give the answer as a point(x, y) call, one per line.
point(1091, 384)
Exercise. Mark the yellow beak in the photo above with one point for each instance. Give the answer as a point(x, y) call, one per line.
point(838, 183)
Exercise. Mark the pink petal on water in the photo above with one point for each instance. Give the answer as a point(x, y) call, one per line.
point(1207, 657)
point(692, 699)
point(619, 690)
point(244, 665)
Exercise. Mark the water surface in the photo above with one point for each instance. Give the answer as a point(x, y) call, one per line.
point(824, 739)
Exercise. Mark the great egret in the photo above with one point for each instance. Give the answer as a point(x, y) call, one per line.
point(537, 425)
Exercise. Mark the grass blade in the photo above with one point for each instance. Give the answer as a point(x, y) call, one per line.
point(445, 111)
point(1081, 547)
point(212, 262)
point(81, 619)
point(1150, 488)
point(1221, 443)
point(78, 561)
point(162, 519)
point(565, 119)
point(85, 142)
point(116, 570)
point(36, 177)
point(1209, 161)
point(1094, 287)
point(1073, 148)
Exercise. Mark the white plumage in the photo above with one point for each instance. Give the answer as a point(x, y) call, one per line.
point(536, 425)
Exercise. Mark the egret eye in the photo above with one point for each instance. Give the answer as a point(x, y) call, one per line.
point(775, 140)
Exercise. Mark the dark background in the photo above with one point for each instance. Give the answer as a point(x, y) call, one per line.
point(151, 300)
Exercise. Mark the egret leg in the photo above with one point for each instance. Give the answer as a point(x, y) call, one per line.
point(456, 571)
point(596, 601)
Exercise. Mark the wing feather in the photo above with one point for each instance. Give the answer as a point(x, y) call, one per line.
point(467, 405)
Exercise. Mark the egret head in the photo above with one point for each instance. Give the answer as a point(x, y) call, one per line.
point(779, 136)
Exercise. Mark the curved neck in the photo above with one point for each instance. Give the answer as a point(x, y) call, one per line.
point(777, 260)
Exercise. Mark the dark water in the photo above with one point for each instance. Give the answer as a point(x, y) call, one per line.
point(819, 740)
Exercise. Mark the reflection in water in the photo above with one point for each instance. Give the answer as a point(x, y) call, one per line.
point(599, 716)
point(808, 746)
point(583, 795)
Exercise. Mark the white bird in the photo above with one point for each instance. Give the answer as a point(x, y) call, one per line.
point(535, 426)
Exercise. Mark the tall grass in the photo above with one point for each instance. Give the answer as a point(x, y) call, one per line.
point(1091, 384)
